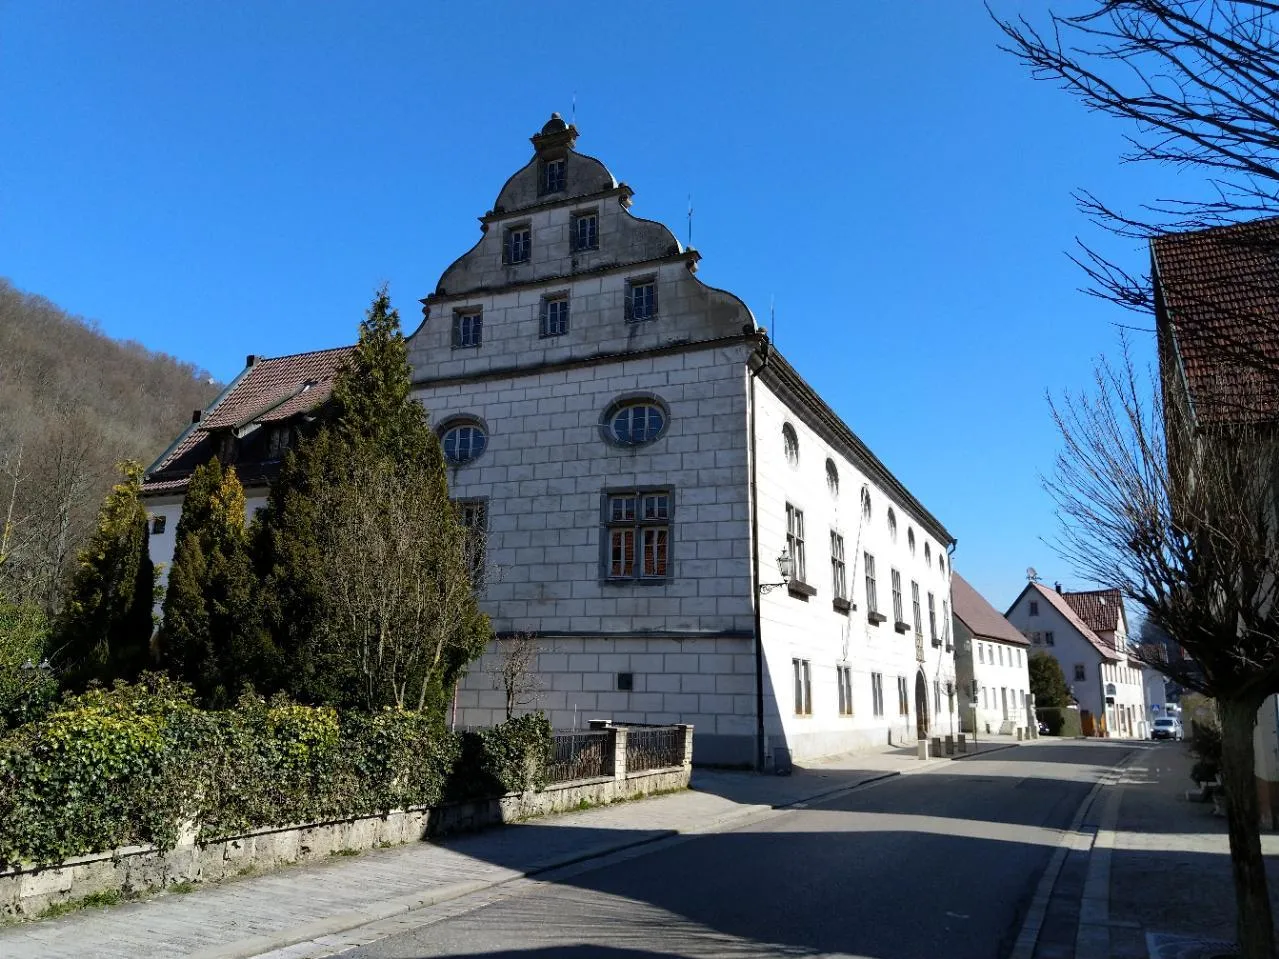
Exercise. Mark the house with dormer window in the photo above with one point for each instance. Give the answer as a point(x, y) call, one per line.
point(1087, 633)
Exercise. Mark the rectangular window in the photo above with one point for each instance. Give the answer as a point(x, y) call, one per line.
point(1034, 607)
point(795, 541)
point(985, 703)
point(157, 524)
point(914, 599)
point(637, 524)
point(518, 246)
point(899, 615)
point(473, 515)
point(1080, 673)
point(903, 700)
point(872, 603)
point(981, 653)
point(586, 234)
point(553, 176)
point(641, 300)
point(936, 696)
point(468, 328)
point(803, 687)
point(554, 315)
point(844, 677)
point(1001, 654)
point(932, 621)
point(1048, 638)
point(877, 693)
point(839, 582)
point(945, 623)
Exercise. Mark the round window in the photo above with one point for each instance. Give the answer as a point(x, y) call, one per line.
point(463, 443)
point(790, 444)
point(637, 423)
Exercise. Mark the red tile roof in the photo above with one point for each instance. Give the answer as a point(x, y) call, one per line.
point(271, 390)
point(1220, 298)
point(982, 619)
point(1099, 608)
point(1059, 603)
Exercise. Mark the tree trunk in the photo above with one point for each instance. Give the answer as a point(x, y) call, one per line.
point(1252, 898)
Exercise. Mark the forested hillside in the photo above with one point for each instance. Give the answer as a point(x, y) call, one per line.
point(73, 403)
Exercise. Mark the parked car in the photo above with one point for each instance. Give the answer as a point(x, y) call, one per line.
point(1167, 728)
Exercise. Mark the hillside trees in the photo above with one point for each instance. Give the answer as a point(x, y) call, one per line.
point(104, 629)
point(74, 404)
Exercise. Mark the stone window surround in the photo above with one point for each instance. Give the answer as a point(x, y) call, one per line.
point(544, 185)
point(459, 316)
point(464, 419)
point(844, 682)
point(543, 313)
point(508, 234)
point(790, 445)
point(632, 284)
point(632, 398)
point(877, 694)
point(644, 581)
point(803, 670)
point(574, 217)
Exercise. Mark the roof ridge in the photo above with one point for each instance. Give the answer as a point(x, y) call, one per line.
point(293, 356)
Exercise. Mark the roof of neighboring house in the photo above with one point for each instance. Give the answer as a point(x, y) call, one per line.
point(268, 390)
point(982, 619)
point(1220, 297)
point(1058, 602)
point(1099, 608)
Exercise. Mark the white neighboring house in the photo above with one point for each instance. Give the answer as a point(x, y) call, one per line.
point(249, 425)
point(1087, 633)
point(639, 456)
point(990, 664)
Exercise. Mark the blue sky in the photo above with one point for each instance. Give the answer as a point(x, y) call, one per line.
point(220, 179)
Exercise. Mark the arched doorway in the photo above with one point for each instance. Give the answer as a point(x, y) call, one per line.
point(921, 706)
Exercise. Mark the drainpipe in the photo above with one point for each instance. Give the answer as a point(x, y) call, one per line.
point(764, 352)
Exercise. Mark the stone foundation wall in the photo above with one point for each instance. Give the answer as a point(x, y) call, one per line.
point(26, 892)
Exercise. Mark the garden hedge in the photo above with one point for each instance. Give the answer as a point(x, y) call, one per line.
point(138, 764)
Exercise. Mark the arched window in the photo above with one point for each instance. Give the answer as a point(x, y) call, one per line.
point(832, 477)
point(866, 502)
point(928, 554)
point(463, 442)
point(790, 444)
point(634, 422)
point(910, 540)
point(892, 525)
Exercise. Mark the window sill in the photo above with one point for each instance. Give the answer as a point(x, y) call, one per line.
point(635, 581)
point(467, 346)
point(876, 618)
point(900, 626)
point(841, 605)
point(801, 589)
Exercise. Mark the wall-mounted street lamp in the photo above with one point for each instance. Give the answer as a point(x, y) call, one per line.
point(786, 567)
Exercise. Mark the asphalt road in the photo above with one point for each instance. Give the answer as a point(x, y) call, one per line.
point(932, 865)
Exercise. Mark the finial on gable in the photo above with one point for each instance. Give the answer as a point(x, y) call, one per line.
point(556, 137)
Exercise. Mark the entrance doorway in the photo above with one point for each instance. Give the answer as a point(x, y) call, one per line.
point(921, 706)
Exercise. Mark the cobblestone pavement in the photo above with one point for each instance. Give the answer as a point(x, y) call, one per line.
point(254, 915)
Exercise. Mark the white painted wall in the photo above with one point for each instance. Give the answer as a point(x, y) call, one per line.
point(811, 629)
point(1003, 680)
point(161, 545)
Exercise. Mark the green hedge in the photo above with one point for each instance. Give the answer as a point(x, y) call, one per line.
point(134, 764)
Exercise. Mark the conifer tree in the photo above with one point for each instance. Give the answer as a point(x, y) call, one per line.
point(208, 627)
point(369, 491)
point(104, 629)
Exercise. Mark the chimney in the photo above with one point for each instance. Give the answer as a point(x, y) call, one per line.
point(1057, 586)
point(250, 359)
point(195, 415)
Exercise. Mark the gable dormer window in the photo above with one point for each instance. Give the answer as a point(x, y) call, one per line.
point(641, 299)
point(519, 244)
point(553, 178)
point(586, 235)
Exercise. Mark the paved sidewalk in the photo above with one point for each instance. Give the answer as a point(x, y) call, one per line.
point(253, 915)
point(1146, 874)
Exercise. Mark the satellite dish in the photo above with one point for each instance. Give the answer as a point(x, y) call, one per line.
point(1031, 574)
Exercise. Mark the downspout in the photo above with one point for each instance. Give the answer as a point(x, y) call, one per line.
point(764, 352)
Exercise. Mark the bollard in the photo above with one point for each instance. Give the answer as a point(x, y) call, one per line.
point(1019, 732)
point(923, 749)
point(950, 745)
point(935, 748)
point(963, 743)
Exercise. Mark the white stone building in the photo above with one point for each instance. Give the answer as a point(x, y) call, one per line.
point(637, 456)
point(1087, 633)
point(640, 456)
point(990, 665)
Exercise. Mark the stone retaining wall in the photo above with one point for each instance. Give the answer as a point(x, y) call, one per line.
point(26, 892)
